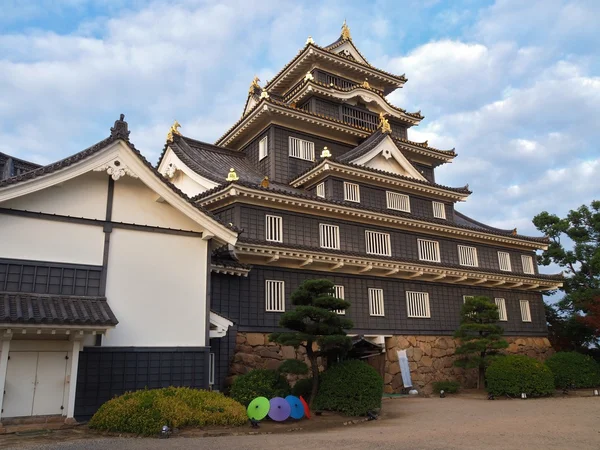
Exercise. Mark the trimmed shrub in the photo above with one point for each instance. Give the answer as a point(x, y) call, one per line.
point(259, 383)
point(303, 388)
point(145, 412)
point(350, 387)
point(515, 374)
point(574, 370)
point(449, 387)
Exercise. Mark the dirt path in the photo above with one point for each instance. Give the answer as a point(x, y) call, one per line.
point(410, 423)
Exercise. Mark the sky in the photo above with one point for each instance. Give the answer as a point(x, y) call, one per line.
point(513, 85)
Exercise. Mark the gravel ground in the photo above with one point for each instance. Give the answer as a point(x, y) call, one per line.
point(409, 423)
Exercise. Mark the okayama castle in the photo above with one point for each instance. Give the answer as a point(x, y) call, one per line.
point(117, 274)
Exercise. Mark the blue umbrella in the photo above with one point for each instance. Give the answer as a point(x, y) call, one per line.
point(297, 408)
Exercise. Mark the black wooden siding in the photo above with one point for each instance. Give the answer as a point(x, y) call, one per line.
point(265, 166)
point(301, 229)
point(42, 277)
point(224, 350)
point(106, 372)
point(375, 197)
point(243, 300)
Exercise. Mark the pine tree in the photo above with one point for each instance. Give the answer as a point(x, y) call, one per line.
point(480, 335)
point(314, 321)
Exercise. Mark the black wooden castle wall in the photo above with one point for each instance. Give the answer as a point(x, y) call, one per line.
point(243, 300)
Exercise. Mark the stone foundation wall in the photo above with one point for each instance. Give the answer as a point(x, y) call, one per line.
point(431, 359)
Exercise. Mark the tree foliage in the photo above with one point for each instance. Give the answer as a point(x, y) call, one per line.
point(577, 315)
point(315, 325)
point(480, 335)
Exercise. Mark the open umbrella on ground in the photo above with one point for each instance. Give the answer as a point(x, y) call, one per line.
point(259, 408)
point(306, 408)
point(280, 409)
point(297, 408)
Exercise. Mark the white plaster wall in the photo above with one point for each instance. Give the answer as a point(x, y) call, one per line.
point(134, 202)
point(46, 240)
point(83, 196)
point(388, 165)
point(156, 287)
point(190, 187)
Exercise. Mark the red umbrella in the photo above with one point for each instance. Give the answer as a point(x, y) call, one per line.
point(306, 408)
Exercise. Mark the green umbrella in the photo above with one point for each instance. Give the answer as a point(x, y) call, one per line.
point(259, 408)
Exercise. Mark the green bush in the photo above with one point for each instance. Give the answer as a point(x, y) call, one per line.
point(145, 412)
point(515, 374)
point(572, 369)
point(449, 387)
point(350, 387)
point(259, 383)
point(303, 388)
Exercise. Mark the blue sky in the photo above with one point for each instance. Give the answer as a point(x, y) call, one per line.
point(513, 85)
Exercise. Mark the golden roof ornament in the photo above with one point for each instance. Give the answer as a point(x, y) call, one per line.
point(265, 182)
point(310, 40)
point(254, 85)
point(325, 153)
point(309, 77)
point(264, 94)
point(384, 124)
point(173, 131)
point(346, 32)
point(366, 84)
point(232, 176)
point(514, 232)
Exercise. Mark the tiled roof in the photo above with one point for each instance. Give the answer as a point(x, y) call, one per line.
point(462, 219)
point(116, 135)
point(268, 244)
point(10, 166)
point(26, 308)
point(309, 196)
point(339, 42)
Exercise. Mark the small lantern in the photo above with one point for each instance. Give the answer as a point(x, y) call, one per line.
point(523, 395)
point(596, 392)
point(165, 432)
point(442, 394)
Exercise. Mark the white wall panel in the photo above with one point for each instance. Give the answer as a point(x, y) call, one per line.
point(46, 240)
point(156, 287)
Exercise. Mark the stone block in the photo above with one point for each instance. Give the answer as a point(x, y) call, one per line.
point(438, 352)
point(288, 352)
point(393, 369)
point(412, 341)
point(412, 366)
point(441, 343)
point(392, 355)
point(240, 338)
point(426, 348)
point(269, 353)
point(410, 352)
point(417, 354)
point(255, 339)
point(403, 343)
point(272, 364)
point(387, 378)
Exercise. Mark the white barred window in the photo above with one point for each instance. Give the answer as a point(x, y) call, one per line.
point(467, 256)
point(211, 369)
point(417, 304)
point(274, 228)
point(263, 150)
point(299, 148)
point(501, 304)
point(399, 202)
point(378, 243)
point(429, 250)
point(351, 192)
point(439, 210)
point(504, 261)
point(321, 190)
point(329, 236)
point(467, 297)
point(274, 296)
point(339, 293)
point(527, 264)
point(525, 312)
point(376, 302)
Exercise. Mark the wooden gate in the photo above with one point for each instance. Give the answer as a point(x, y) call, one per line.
point(378, 363)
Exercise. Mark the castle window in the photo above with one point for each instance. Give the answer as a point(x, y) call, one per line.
point(263, 150)
point(467, 297)
point(501, 304)
point(439, 210)
point(299, 148)
point(274, 296)
point(274, 228)
point(378, 243)
point(417, 304)
point(429, 250)
point(525, 312)
point(351, 192)
point(339, 293)
point(321, 190)
point(504, 261)
point(376, 302)
point(399, 202)
point(527, 264)
point(467, 256)
point(329, 236)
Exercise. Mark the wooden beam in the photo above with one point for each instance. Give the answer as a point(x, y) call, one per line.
point(391, 272)
point(306, 262)
point(273, 259)
point(515, 285)
point(366, 269)
point(533, 286)
point(439, 277)
point(337, 266)
point(416, 274)
point(458, 280)
point(498, 283)
point(481, 281)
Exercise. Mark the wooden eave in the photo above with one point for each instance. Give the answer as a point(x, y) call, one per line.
point(237, 193)
point(314, 56)
point(331, 168)
point(311, 87)
point(321, 260)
